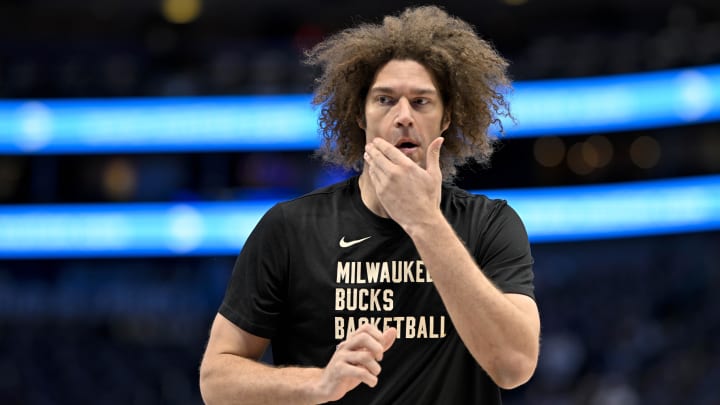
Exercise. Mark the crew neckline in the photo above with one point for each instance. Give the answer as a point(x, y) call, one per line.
point(365, 212)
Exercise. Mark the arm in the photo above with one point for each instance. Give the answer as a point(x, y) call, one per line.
point(500, 330)
point(230, 372)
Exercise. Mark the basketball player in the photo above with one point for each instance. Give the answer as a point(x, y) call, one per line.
point(392, 287)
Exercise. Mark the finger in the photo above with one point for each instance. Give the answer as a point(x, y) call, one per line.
point(371, 330)
point(390, 151)
point(370, 167)
point(366, 337)
point(376, 159)
point(433, 158)
point(387, 150)
point(364, 359)
point(389, 337)
point(356, 373)
point(366, 343)
point(369, 379)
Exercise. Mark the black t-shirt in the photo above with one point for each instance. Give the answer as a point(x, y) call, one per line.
point(317, 267)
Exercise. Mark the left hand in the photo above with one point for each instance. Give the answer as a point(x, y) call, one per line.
point(408, 192)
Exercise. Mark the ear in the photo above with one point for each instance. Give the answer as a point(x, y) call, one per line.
point(445, 124)
point(361, 122)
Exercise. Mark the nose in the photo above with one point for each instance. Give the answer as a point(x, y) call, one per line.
point(403, 113)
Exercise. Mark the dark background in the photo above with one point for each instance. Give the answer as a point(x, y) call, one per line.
point(629, 321)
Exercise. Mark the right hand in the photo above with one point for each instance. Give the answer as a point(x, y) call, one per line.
point(356, 360)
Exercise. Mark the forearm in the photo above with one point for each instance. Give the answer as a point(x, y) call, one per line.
point(503, 338)
point(231, 379)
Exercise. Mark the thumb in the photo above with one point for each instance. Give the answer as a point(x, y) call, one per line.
point(432, 159)
point(389, 336)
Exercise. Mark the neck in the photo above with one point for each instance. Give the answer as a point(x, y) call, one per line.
point(369, 196)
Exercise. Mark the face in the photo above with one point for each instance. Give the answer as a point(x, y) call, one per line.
point(404, 107)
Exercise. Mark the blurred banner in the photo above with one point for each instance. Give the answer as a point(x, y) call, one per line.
point(251, 123)
point(220, 228)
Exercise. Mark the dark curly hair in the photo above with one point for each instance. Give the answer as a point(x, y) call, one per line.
point(471, 76)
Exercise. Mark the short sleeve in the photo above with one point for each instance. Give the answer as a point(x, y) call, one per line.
point(503, 252)
point(257, 291)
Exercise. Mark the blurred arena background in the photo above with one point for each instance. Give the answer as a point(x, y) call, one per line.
point(108, 286)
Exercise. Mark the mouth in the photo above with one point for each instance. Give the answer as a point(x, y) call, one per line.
point(406, 145)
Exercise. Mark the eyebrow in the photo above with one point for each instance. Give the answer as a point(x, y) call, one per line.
point(420, 91)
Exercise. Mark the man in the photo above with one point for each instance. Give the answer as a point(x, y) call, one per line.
point(392, 287)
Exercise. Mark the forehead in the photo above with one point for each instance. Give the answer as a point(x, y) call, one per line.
point(404, 73)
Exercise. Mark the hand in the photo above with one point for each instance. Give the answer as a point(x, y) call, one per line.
point(356, 361)
point(407, 191)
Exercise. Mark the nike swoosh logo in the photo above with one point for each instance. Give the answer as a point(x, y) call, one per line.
point(344, 244)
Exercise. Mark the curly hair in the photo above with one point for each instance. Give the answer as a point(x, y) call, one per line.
point(471, 76)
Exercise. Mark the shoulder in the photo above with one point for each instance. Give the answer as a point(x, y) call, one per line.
point(313, 210)
point(319, 199)
point(472, 213)
point(457, 200)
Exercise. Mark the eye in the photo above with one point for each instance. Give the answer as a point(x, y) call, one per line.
point(421, 101)
point(385, 100)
